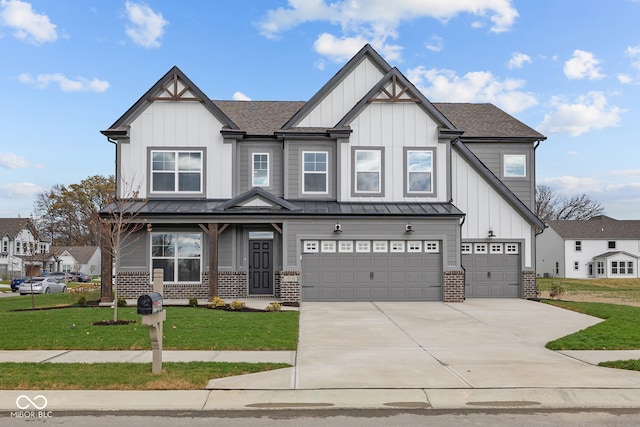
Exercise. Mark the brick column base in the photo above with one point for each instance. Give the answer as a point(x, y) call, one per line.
point(529, 288)
point(453, 286)
point(290, 287)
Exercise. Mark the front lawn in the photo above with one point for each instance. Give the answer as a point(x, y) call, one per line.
point(186, 328)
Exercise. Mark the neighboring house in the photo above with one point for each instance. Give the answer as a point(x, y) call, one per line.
point(601, 247)
point(20, 248)
point(83, 259)
point(367, 192)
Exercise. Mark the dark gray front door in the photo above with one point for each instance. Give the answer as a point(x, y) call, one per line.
point(260, 267)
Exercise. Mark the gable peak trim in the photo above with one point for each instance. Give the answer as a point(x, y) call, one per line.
point(174, 90)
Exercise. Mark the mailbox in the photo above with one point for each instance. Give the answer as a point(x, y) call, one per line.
point(150, 303)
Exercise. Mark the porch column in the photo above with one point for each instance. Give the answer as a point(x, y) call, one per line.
point(106, 271)
point(213, 261)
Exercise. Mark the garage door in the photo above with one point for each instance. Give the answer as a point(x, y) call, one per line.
point(373, 276)
point(492, 270)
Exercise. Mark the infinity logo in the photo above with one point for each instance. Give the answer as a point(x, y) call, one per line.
point(30, 402)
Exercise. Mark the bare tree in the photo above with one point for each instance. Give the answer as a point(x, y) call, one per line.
point(119, 230)
point(552, 206)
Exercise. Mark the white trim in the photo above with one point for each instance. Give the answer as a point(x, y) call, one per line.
point(253, 170)
point(345, 246)
point(326, 172)
point(397, 246)
point(380, 246)
point(363, 246)
point(414, 246)
point(328, 246)
point(311, 246)
point(432, 246)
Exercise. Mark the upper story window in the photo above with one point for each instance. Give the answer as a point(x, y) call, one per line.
point(368, 166)
point(515, 165)
point(176, 171)
point(419, 171)
point(260, 175)
point(314, 170)
point(578, 246)
point(5, 245)
point(611, 244)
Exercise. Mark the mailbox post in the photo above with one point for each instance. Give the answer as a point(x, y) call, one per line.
point(150, 307)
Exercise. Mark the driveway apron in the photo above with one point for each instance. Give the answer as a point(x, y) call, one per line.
point(481, 343)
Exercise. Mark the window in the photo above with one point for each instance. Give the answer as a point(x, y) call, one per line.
point(368, 170)
point(514, 165)
point(600, 268)
point(328, 246)
point(310, 246)
point(5, 246)
point(414, 246)
point(260, 174)
point(432, 247)
point(614, 267)
point(630, 267)
point(345, 246)
point(176, 171)
point(496, 248)
point(419, 170)
point(578, 246)
point(380, 246)
point(576, 265)
point(465, 248)
point(611, 244)
point(623, 270)
point(363, 246)
point(178, 254)
point(397, 246)
point(480, 248)
point(511, 248)
point(314, 171)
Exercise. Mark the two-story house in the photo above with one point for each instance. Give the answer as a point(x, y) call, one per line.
point(602, 247)
point(83, 259)
point(366, 192)
point(20, 248)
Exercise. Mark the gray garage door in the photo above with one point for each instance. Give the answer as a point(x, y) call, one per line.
point(372, 277)
point(492, 275)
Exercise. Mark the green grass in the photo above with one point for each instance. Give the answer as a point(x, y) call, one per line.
point(186, 328)
point(609, 290)
point(120, 376)
point(631, 365)
point(619, 331)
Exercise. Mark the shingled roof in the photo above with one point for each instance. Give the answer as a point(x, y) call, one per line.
point(13, 226)
point(81, 253)
point(600, 227)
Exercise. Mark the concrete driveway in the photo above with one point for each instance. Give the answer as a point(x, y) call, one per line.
point(481, 343)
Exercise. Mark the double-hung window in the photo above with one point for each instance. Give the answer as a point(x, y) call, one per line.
point(176, 171)
point(314, 172)
point(368, 171)
point(515, 165)
point(260, 175)
point(419, 172)
point(179, 255)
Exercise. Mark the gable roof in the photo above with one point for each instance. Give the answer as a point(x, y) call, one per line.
point(82, 254)
point(485, 121)
point(600, 227)
point(171, 78)
point(610, 254)
point(13, 226)
point(257, 192)
point(260, 117)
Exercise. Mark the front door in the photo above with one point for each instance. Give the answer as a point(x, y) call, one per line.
point(260, 267)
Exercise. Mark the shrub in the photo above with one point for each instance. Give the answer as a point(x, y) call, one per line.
point(556, 290)
point(122, 302)
point(236, 305)
point(274, 306)
point(82, 301)
point(193, 301)
point(218, 302)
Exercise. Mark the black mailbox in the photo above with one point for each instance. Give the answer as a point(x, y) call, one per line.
point(150, 303)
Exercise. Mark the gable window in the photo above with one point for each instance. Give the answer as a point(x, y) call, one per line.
point(368, 171)
point(515, 165)
point(260, 166)
point(611, 244)
point(419, 171)
point(176, 171)
point(314, 171)
point(578, 246)
point(178, 255)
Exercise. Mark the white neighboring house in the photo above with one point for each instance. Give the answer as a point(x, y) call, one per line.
point(19, 246)
point(83, 259)
point(601, 247)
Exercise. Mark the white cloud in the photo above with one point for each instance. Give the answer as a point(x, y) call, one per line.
point(585, 114)
point(28, 25)
point(376, 21)
point(572, 153)
point(239, 96)
point(145, 26)
point(583, 65)
point(13, 161)
point(478, 86)
point(624, 78)
point(435, 44)
point(518, 60)
point(81, 84)
point(23, 189)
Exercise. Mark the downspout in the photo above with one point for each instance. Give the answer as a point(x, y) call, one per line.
point(464, 271)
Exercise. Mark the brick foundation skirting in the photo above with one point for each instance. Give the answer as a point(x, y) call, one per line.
point(529, 288)
point(453, 286)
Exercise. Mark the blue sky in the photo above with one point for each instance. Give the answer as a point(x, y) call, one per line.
point(568, 68)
